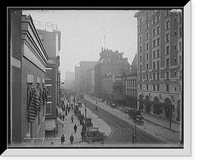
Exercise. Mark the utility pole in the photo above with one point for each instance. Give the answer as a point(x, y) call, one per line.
point(135, 132)
point(85, 109)
point(74, 101)
point(170, 117)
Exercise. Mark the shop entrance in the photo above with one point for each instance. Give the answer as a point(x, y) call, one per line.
point(147, 104)
point(168, 107)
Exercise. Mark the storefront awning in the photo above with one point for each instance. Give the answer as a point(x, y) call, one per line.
point(60, 121)
point(50, 124)
point(154, 102)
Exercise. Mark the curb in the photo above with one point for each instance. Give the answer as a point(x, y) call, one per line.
point(156, 123)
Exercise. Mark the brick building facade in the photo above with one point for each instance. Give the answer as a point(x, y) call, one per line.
point(159, 63)
point(29, 60)
point(51, 41)
point(16, 75)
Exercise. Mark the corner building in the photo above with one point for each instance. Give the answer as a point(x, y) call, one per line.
point(160, 62)
point(28, 61)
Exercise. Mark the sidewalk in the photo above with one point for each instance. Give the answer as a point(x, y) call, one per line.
point(68, 128)
point(161, 122)
point(153, 125)
point(65, 129)
point(175, 126)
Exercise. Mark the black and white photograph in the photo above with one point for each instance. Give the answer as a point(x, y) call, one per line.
point(98, 78)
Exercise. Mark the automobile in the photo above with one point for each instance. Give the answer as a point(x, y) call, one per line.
point(139, 119)
point(126, 110)
point(113, 105)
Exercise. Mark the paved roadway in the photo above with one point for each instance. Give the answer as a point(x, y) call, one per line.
point(121, 130)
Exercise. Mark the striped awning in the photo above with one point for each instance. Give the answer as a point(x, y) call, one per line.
point(33, 105)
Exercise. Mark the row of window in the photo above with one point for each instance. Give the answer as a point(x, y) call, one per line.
point(155, 30)
point(156, 87)
point(131, 83)
point(157, 53)
point(156, 76)
point(157, 18)
point(156, 42)
point(156, 64)
point(131, 92)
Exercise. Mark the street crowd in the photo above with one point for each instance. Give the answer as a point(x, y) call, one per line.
point(67, 106)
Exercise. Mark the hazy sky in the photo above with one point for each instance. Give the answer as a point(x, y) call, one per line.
point(83, 31)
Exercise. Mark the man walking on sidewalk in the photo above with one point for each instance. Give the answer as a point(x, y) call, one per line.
point(82, 134)
point(75, 128)
point(71, 138)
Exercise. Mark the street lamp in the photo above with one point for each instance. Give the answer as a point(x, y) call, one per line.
point(85, 109)
point(74, 101)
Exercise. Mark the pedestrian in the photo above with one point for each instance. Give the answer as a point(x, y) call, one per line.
point(72, 118)
point(71, 138)
point(66, 112)
point(75, 128)
point(68, 109)
point(82, 134)
point(62, 139)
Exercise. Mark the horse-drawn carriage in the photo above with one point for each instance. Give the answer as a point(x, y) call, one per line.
point(94, 135)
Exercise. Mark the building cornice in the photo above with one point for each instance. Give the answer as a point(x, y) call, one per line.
point(30, 33)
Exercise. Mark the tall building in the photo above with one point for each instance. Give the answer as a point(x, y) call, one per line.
point(109, 63)
point(159, 61)
point(28, 68)
point(90, 81)
point(84, 67)
point(51, 40)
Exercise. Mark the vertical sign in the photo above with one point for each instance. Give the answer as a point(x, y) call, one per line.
point(58, 89)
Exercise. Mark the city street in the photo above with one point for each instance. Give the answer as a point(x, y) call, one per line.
point(121, 130)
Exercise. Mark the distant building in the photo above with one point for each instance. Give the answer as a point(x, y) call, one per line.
point(84, 67)
point(90, 81)
point(109, 63)
point(51, 41)
point(113, 88)
point(159, 62)
point(130, 84)
point(77, 78)
point(69, 80)
point(28, 68)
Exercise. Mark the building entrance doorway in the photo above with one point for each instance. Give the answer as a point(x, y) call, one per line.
point(168, 108)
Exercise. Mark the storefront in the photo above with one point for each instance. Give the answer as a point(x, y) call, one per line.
point(156, 107)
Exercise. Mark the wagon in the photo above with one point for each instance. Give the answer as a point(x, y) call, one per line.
point(94, 135)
